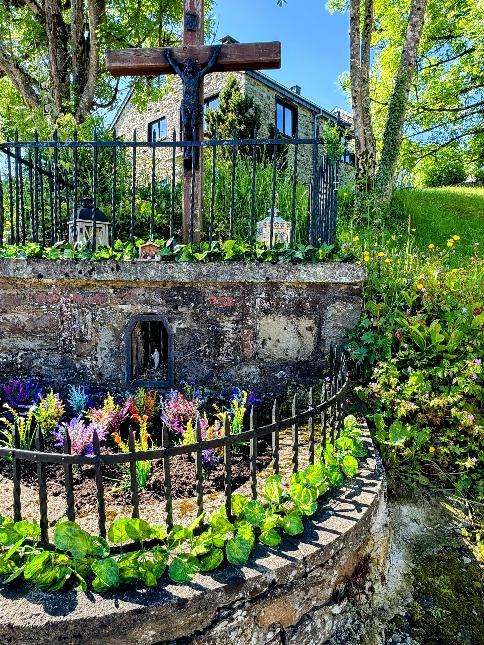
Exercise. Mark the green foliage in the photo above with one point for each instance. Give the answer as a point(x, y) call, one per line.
point(185, 550)
point(230, 250)
point(236, 114)
point(445, 169)
point(419, 345)
point(24, 425)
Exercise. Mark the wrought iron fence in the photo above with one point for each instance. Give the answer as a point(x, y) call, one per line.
point(322, 421)
point(138, 186)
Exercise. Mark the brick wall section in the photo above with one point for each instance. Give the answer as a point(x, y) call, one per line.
point(251, 325)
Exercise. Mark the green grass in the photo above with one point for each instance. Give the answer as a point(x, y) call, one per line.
point(439, 213)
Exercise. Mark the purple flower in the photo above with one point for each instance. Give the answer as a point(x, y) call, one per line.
point(408, 311)
point(210, 459)
point(474, 376)
point(405, 346)
point(80, 435)
point(409, 369)
point(477, 361)
point(474, 460)
point(470, 417)
point(19, 392)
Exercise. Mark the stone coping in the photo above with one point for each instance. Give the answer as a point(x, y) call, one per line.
point(169, 612)
point(110, 271)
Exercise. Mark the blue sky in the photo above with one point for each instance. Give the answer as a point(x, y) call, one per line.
point(314, 42)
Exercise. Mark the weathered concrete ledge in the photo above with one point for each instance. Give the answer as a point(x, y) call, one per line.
point(183, 272)
point(297, 594)
point(226, 324)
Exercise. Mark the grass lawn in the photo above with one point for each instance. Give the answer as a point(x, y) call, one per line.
point(440, 213)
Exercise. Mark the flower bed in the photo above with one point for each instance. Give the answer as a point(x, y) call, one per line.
point(80, 415)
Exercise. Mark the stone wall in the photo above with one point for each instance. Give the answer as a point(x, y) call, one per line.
point(310, 590)
point(246, 324)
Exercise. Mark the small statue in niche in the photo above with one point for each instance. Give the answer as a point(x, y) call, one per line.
point(191, 74)
point(156, 359)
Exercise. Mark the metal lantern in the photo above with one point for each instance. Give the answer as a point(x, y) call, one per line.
point(281, 230)
point(81, 229)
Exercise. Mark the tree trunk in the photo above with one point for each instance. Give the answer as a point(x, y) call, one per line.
point(360, 48)
point(392, 137)
point(96, 11)
point(56, 31)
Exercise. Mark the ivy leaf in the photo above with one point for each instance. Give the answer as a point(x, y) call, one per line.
point(398, 433)
point(255, 513)
point(273, 489)
point(270, 537)
point(349, 466)
point(107, 574)
point(239, 502)
point(68, 536)
point(293, 523)
point(27, 529)
point(36, 565)
point(212, 560)
point(183, 567)
point(238, 550)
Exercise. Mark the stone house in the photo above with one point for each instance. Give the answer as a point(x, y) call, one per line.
point(282, 107)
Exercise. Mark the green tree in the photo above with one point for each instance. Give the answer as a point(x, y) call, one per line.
point(236, 113)
point(446, 168)
point(52, 52)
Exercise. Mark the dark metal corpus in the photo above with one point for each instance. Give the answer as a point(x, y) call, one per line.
point(322, 416)
point(137, 185)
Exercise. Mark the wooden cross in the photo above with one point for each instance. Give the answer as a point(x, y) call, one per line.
point(192, 62)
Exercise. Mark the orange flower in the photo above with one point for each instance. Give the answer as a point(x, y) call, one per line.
point(117, 438)
point(145, 418)
point(136, 418)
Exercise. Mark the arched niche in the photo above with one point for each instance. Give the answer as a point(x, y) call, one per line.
point(149, 352)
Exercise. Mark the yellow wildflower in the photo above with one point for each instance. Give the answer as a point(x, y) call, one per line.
point(450, 243)
point(387, 260)
point(431, 246)
point(356, 238)
point(413, 230)
point(420, 286)
point(431, 449)
point(394, 237)
point(456, 237)
point(380, 254)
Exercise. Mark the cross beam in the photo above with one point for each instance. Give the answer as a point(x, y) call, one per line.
point(234, 57)
point(192, 62)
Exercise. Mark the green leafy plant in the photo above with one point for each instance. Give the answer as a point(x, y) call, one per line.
point(185, 550)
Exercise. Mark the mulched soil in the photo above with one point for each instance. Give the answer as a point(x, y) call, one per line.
point(116, 479)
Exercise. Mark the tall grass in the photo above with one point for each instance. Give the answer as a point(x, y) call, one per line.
point(242, 198)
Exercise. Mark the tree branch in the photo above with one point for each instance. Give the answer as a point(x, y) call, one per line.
point(22, 81)
point(58, 56)
point(96, 13)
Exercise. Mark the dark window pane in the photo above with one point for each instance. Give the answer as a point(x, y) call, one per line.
point(157, 131)
point(288, 122)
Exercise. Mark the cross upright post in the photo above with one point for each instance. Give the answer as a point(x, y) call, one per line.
point(192, 62)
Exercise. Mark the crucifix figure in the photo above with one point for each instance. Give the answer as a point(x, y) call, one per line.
point(192, 62)
point(191, 74)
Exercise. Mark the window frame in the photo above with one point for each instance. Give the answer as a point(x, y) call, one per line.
point(286, 105)
point(152, 123)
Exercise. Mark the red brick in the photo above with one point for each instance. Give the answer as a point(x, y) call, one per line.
point(222, 301)
point(46, 298)
point(89, 298)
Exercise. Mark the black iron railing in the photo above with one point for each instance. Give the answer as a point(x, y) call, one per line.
point(321, 420)
point(138, 186)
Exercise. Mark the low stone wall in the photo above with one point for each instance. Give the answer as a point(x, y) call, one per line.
point(232, 323)
point(306, 592)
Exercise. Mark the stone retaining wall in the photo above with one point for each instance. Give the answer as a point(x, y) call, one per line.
point(246, 324)
point(307, 591)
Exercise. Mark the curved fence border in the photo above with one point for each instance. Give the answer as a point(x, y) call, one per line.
point(329, 414)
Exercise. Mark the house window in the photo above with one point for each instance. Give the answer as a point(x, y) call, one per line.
point(210, 104)
point(286, 118)
point(157, 130)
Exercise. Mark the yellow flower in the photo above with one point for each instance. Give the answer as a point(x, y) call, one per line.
point(420, 286)
point(450, 243)
point(366, 258)
point(455, 271)
point(394, 237)
point(431, 246)
point(380, 254)
point(456, 237)
point(413, 230)
point(356, 238)
point(387, 260)
point(431, 449)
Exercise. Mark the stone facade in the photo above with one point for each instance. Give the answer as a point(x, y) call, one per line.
point(245, 324)
point(258, 86)
point(313, 589)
